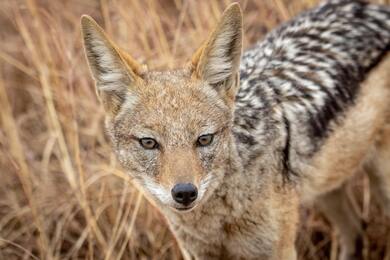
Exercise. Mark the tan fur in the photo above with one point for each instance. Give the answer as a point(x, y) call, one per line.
point(121, 61)
point(363, 139)
point(377, 166)
point(180, 166)
point(236, 216)
point(347, 148)
point(208, 61)
point(88, 24)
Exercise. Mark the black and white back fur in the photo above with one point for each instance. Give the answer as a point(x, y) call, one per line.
point(303, 76)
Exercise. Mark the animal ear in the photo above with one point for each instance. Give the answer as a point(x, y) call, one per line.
point(114, 71)
point(217, 61)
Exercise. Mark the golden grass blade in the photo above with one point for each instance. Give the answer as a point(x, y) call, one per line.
point(24, 176)
point(26, 251)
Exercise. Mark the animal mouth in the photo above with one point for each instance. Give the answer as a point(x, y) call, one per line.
point(184, 208)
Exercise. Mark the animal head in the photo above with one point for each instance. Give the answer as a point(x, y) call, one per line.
point(170, 129)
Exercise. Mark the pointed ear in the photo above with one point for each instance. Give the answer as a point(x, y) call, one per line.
point(114, 71)
point(218, 60)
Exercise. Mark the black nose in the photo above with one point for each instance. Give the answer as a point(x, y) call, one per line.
point(184, 193)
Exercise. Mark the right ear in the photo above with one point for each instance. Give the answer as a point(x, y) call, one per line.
point(218, 60)
point(114, 72)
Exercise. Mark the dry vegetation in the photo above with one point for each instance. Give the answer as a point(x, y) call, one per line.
point(62, 194)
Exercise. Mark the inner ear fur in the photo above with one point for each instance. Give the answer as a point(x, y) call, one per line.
point(115, 72)
point(217, 61)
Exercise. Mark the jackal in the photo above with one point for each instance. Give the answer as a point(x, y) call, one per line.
point(229, 145)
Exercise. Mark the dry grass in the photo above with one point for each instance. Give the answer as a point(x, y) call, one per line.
point(62, 194)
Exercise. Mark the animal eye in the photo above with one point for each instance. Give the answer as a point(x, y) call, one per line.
point(148, 143)
point(205, 140)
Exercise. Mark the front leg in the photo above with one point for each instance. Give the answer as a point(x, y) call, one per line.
point(194, 247)
point(286, 246)
point(184, 252)
point(193, 250)
point(289, 253)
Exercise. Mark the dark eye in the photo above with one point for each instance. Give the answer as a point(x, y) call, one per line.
point(148, 143)
point(205, 140)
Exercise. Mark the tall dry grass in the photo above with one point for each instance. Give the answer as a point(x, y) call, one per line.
point(62, 194)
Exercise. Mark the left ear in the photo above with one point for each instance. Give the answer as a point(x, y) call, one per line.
point(218, 60)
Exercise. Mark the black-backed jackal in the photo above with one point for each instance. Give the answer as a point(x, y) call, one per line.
point(230, 144)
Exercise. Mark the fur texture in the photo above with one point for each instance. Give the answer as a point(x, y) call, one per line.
point(309, 108)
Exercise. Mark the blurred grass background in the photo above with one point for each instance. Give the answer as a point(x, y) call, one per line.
point(62, 194)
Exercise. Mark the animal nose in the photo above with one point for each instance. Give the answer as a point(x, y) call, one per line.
point(184, 193)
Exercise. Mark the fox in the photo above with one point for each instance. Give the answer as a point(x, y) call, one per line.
point(229, 145)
